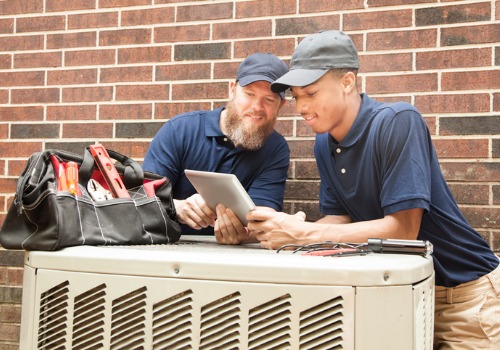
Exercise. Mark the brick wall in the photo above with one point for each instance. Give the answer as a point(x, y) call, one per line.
point(113, 71)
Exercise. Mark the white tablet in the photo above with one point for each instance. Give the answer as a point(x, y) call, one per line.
point(222, 188)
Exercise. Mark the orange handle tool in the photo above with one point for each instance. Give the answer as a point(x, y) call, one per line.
point(108, 170)
point(72, 177)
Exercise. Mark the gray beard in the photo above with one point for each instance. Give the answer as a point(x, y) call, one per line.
point(249, 138)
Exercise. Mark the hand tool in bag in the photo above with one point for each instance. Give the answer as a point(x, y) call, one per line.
point(109, 172)
point(72, 177)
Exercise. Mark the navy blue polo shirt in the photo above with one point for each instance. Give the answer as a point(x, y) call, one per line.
point(387, 163)
point(195, 141)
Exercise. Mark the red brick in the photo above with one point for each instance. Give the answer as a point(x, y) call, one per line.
point(22, 43)
point(35, 78)
point(123, 3)
point(10, 313)
point(148, 16)
point(470, 194)
point(284, 127)
point(240, 29)
point(306, 169)
point(386, 62)
point(15, 276)
point(496, 101)
point(377, 20)
point(23, 96)
point(93, 20)
point(401, 83)
point(37, 60)
point(301, 148)
point(447, 59)
point(196, 52)
point(169, 110)
point(302, 129)
point(40, 24)
point(429, 16)
point(482, 217)
point(34, 131)
point(204, 12)
point(9, 113)
point(69, 5)
point(226, 70)
point(142, 92)
point(402, 39)
point(72, 77)
point(182, 33)
point(5, 61)
point(248, 9)
point(461, 148)
point(279, 47)
point(477, 80)
point(125, 37)
point(123, 74)
point(379, 3)
point(71, 40)
point(145, 54)
point(327, 5)
point(9, 332)
point(183, 72)
point(469, 34)
point(471, 171)
point(85, 130)
point(4, 96)
point(90, 57)
point(87, 94)
point(200, 91)
point(16, 149)
point(4, 134)
point(306, 25)
point(463, 103)
point(302, 190)
point(133, 150)
point(431, 124)
point(13, 7)
point(6, 26)
point(78, 112)
point(126, 111)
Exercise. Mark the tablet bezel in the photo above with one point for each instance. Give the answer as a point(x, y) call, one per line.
point(222, 188)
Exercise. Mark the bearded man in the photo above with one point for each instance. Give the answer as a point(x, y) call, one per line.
point(239, 139)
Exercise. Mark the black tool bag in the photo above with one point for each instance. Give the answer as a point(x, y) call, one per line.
point(43, 217)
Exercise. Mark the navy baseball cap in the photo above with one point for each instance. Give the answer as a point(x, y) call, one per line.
point(261, 66)
point(315, 55)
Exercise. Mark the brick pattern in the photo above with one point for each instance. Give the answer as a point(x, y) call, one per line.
point(113, 71)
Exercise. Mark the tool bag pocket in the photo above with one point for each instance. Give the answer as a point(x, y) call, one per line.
point(45, 217)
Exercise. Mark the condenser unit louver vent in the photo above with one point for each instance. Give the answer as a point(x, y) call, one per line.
point(321, 326)
point(201, 296)
point(88, 319)
point(53, 317)
point(269, 324)
point(172, 322)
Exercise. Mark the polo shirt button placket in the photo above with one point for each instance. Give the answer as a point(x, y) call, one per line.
point(343, 171)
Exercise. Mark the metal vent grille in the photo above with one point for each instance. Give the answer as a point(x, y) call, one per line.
point(128, 317)
point(269, 324)
point(220, 322)
point(88, 319)
point(172, 322)
point(321, 326)
point(424, 311)
point(53, 318)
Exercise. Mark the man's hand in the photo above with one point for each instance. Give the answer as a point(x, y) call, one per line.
point(275, 229)
point(194, 212)
point(228, 227)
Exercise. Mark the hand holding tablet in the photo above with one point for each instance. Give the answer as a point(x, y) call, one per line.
point(222, 188)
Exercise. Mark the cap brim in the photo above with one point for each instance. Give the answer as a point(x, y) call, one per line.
point(297, 77)
point(249, 79)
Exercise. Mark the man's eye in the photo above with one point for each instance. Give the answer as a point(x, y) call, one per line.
point(310, 94)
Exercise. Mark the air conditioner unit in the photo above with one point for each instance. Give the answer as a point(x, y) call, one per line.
point(197, 294)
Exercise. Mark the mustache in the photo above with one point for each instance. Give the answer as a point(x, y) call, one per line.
point(254, 113)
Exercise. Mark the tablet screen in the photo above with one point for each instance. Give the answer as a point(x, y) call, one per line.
point(222, 188)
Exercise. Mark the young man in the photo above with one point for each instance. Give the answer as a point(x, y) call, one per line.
point(238, 139)
point(380, 178)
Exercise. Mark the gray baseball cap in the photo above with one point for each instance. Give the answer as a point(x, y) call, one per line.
point(261, 66)
point(315, 55)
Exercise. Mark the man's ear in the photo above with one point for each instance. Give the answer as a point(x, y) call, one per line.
point(349, 80)
point(232, 88)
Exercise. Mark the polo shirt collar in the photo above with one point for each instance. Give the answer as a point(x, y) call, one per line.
point(361, 122)
point(212, 123)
